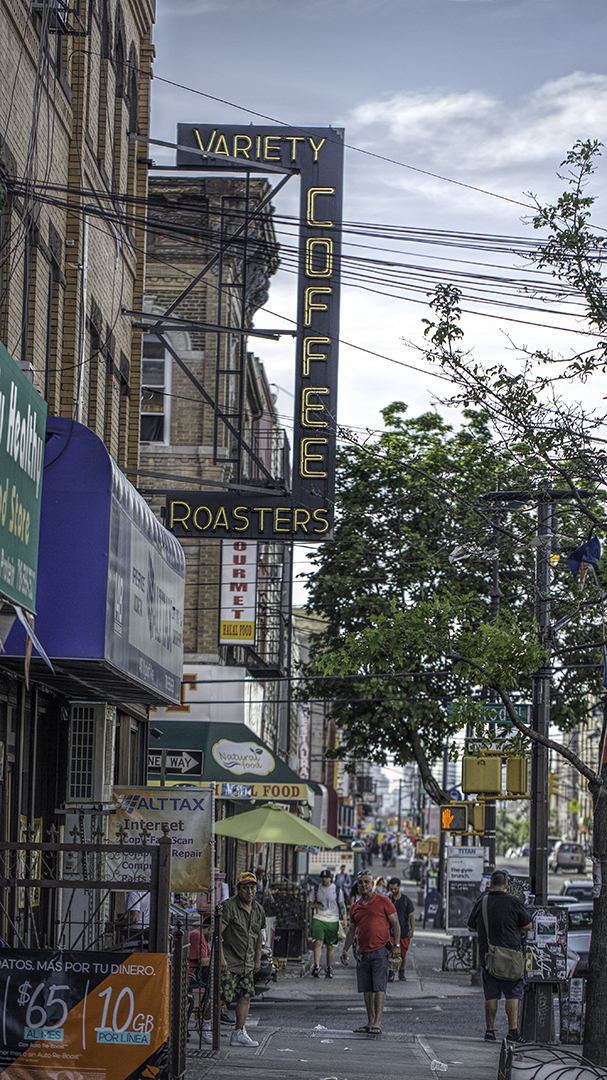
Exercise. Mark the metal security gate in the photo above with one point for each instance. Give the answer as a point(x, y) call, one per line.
point(59, 896)
point(55, 895)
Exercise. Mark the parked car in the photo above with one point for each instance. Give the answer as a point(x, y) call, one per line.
point(577, 890)
point(579, 934)
point(561, 901)
point(567, 856)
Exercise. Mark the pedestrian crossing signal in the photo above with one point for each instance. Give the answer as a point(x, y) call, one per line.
point(454, 818)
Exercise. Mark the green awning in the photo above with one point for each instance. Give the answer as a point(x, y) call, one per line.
point(231, 755)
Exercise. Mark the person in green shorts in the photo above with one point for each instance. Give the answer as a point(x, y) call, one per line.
point(242, 922)
point(328, 906)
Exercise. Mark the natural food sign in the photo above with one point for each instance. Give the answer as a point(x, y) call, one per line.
point(140, 819)
point(22, 437)
point(83, 1014)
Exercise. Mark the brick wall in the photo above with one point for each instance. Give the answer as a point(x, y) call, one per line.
point(66, 122)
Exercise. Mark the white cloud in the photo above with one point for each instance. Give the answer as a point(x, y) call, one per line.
point(479, 138)
point(206, 7)
point(417, 116)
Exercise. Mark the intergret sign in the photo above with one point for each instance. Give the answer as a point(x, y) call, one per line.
point(316, 154)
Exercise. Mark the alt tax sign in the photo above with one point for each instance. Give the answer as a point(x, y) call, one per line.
point(316, 156)
point(22, 438)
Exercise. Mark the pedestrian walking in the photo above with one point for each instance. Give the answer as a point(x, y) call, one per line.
point(242, 922)
point(499, 919)
point(343, 881)
point(372, 919)
point(405, 909)
point(328, 906)
point(381, 886)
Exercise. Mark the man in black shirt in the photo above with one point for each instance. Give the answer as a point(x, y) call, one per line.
point(405, 909)
point(507, 918)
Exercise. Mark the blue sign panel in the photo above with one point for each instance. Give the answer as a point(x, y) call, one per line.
point(110, 576)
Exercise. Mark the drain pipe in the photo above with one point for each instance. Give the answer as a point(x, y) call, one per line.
point(83, 305)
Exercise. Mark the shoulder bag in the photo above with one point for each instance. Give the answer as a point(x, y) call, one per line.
point(502, 963)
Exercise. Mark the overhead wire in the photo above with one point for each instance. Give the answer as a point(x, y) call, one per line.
point(348, 146)
point(359, 278)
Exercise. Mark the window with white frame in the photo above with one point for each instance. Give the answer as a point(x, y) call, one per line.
point(155, 392)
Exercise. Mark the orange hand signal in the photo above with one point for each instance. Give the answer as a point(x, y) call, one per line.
point(447, 818)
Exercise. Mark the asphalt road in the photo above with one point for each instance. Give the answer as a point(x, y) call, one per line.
point(555, 881)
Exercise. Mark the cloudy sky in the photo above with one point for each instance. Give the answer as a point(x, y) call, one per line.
point(488, 93)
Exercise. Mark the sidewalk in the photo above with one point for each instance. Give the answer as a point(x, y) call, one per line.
point(425, 979)
point(318, 1055)
point(304, 1029)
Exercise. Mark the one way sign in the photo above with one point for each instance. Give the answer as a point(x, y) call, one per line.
point(178, 762)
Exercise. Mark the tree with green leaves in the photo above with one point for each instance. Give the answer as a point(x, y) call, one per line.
point(436, 624)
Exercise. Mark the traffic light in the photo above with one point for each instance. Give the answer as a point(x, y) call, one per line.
point(516, 775)
point(478, 817)
point(553, 784)
point(482, 774)
point(454, 818)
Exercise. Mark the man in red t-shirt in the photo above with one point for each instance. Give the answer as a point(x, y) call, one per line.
point(371, 918)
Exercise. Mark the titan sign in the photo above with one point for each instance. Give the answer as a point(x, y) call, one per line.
point(316, 154)
point(22, 435)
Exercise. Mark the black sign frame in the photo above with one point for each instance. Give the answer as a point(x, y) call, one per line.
point(316, 154)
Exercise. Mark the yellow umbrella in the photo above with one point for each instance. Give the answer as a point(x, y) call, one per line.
point(271, 824)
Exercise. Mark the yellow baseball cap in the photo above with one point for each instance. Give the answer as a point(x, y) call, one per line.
point(246, 878)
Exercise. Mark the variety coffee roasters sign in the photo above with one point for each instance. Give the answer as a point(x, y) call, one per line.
point(316, 154)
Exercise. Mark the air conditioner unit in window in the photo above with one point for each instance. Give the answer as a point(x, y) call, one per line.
point(92, 741)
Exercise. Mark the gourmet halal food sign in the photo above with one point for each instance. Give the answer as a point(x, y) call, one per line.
point(316, 154)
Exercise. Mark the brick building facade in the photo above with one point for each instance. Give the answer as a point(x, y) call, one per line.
point(74, 88)
point(181, 434)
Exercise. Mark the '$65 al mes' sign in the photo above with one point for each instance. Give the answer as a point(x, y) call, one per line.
point(76, 1011)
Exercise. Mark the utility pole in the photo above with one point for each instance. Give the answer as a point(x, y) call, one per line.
point(495, 595)
point(538, 845)
point(537, 1020)
point(546, 499)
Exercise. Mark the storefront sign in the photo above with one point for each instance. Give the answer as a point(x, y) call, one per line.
point(316, 154)
point(22, 431)
point(243, 757)
point(188, 813)
point(286, 792)
point(111, 586)
point(323, 859)
point(254, 517)
point(145, 591)
point(238, 599)
point(84, 1014)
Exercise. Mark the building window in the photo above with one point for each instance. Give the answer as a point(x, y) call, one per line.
point(82, 753)
point(155, 391)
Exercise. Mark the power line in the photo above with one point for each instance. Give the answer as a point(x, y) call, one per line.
point(348, 146)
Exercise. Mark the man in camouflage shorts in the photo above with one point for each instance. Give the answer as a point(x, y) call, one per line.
point(242, 922)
